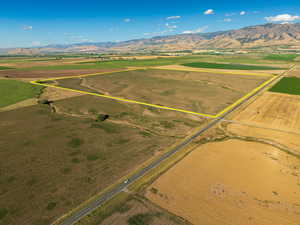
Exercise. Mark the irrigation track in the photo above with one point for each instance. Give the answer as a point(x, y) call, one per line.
point(118, 188)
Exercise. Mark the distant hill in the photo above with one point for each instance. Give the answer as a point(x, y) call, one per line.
point(266, 35)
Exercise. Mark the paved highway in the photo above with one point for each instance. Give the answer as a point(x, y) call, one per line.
point(90, 207)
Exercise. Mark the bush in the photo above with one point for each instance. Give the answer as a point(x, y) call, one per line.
point(102, 117)
point(3, 213)
point(167, 124)
point(145, 133)
point(45, 102)
point(51, 205)
point(75, 160)
point(92, 157)
point(75, 142)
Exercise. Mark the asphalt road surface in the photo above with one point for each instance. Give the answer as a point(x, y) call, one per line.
point(90, 207)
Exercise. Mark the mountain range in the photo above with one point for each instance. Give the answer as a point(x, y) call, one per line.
point(260, 36)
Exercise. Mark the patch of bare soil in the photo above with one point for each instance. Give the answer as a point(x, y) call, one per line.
point(50, 73)
point(54, 94)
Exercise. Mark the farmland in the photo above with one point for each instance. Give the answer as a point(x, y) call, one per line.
point(229, 66)
point(85, 155)
point(4, 68)
point(219, 183)
point(288, 85)
point(198, 92)
point(282, 57)
point(272, 110)
point(66, 148)
point(12, 91)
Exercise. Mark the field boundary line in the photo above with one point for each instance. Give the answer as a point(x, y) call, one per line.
point(125, 100)
point(89, 74)
point(214, 71)
point(39, 82)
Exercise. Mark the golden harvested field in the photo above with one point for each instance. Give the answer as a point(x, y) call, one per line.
point(273, 110)
point(290, 140)
point(193, 69)
point(232, 183)
point(198, 92)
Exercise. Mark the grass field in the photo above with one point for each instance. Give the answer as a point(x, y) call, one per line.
point(287, 85)
point(198, 92)
point(5, 68)
point(12, 91)
point(229, 66)
point(86, 62)
point(281, 57)
point(53, 160)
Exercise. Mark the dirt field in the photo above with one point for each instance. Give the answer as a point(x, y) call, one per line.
point(51, 162)
point(199, 92)
point(232, 183)
point(273, 110)
point(49, 73)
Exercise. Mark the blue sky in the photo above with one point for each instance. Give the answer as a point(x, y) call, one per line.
point(37, 23)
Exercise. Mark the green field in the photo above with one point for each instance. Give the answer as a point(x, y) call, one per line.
point(5, 68)
point(119, 63)
point(287, 85)
point(204, 61)
point(229, 66)
point(12, 91)
point(282, 57)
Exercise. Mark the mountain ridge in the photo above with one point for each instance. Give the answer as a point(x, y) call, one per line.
point(269, 34)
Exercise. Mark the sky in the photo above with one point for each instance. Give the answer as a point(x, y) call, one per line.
point(39, 23)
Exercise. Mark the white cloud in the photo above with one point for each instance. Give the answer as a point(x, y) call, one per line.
point(282, 18)
point(27, 27)
point(209, 12)
point(173, 17)
point(170, 26)
point(230, 14)
point(227, 20)
point(127, 20)
point(199, 30)
point(242, 13)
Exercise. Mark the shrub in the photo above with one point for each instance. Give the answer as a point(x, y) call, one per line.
point(92, 157)
point(75, 142)
point(75, 160)
point(3, 213)
point(102, 117)
point(45, 102)
point(167, 124)
point(145, 133)
point(51, 205)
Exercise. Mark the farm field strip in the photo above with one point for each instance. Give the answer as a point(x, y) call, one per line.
point(41, 82)
point(207, 70)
